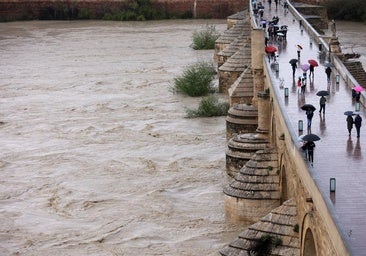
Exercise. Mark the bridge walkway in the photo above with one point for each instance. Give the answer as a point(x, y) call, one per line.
point(337, 155)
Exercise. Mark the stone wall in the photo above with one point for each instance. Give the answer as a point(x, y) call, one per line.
point(203, 8)
point(32, 9)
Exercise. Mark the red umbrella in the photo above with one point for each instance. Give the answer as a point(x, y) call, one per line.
point(313, 62)
point(270, 49)
point(358, 88)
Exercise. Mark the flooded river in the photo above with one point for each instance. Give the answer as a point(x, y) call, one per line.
point(97, 157)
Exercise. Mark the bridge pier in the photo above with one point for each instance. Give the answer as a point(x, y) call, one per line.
point(264, 119)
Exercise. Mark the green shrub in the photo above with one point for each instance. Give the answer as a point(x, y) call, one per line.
point(205, 39)
point(196, 80)
point(137, 10)
point(208, 107)
point(276, 241)
point(84, 13)
point(264, 245)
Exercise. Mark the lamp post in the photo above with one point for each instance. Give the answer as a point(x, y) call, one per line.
point(332, 184)
point(300, 125)
point(357, 106)
point(277, 66)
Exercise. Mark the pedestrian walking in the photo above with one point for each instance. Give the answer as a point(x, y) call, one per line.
point(309, 116)
point(309, 147)
point(322, 102)
point(294, 67)
point(357, 96)
point(311, 71)
point(358, 123)
point(328, 71)
point(303, 85)
point(285, 7)
point(261, 12)
point(299, 84)
point(299, 48)
point(304, 74)
point(350, 122)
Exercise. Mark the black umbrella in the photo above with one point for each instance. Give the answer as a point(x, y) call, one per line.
point(349, 113)
point(308, 107)
point(310, 137)
point(293, 61)
point(322, 93)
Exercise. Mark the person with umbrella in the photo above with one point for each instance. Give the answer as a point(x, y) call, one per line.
point(322, 102)
point(311, 71)
point(270, 50)
point(310, 145)
point(305, 67)
point(350, 122)
point(293, 63)
point(357, 96)
point(313, 63)
point(357, 92)
point(309, 116)
point(358, 123)
point(328, 71)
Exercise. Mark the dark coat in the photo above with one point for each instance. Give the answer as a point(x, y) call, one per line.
point(309, 146)
point(328, 71)
point(349, 122)
point(358, 121)
point(309, 114)
point(322, 100)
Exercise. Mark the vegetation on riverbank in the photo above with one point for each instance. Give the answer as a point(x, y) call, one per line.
point(352, 10)
point(205, 39)
point(196, 80)
point(209, 106)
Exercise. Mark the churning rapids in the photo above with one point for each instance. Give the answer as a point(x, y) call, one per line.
point(97, 157)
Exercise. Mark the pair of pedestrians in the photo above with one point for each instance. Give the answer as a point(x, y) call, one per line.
point(357, 122)
point(308, 147)
point(310, 112)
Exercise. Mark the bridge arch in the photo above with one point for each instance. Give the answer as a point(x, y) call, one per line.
point(308, 245)
point(283, 180)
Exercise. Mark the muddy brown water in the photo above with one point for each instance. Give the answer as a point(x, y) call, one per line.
point(97, 157)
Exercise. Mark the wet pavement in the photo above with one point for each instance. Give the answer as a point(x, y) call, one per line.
point(337, 155)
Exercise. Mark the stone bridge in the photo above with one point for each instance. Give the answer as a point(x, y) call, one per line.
point(288, 205)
